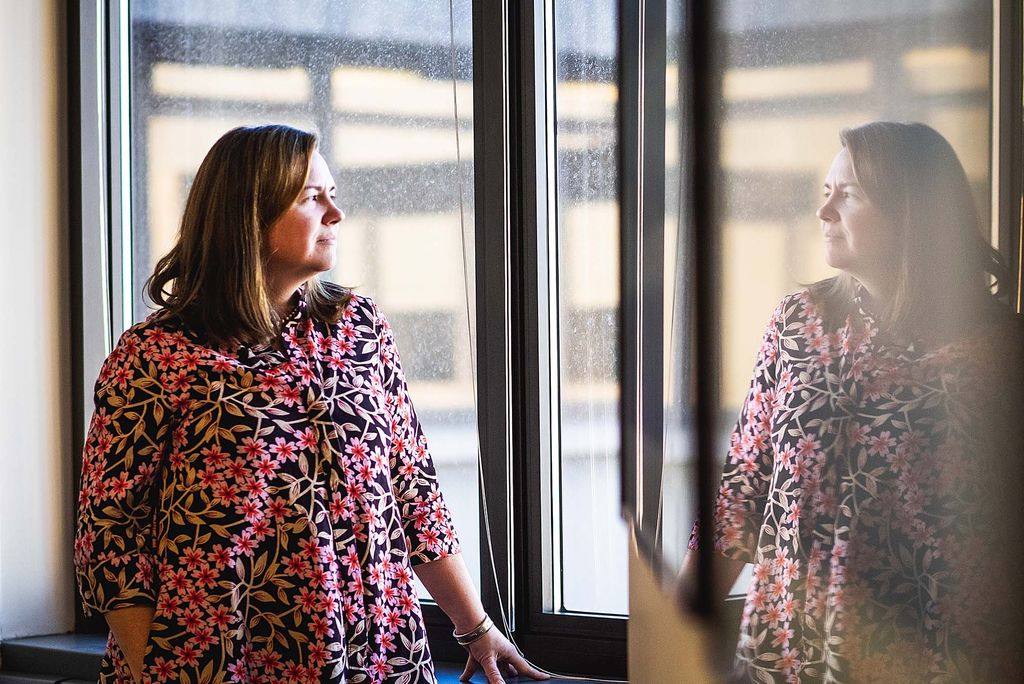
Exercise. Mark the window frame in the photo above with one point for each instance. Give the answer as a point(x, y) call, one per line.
point(93, 145)
point(642, 49)
point(511, 91)
point(1008, 139)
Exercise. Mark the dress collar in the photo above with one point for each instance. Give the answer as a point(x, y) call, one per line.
point(862, 298)
point(298, 311)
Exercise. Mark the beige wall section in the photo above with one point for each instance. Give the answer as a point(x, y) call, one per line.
point(36, 594)
point(664, 647)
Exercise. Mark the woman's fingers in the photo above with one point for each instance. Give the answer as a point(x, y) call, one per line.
point(522, 666)
point(493, 655)
point(471, 667)
point(490, 667)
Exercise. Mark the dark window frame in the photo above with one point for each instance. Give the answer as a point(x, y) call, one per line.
point(510, 93)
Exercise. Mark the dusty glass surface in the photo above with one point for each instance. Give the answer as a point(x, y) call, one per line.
point(376, 81)
point(591, 563)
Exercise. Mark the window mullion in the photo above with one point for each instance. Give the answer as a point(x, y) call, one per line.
point(493, 221)
point(91, 179)
point(1008, 131)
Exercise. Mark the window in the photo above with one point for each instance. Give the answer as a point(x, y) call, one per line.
point(433, 359)
point(590, 537)
point(420, 130)
point(551, 175)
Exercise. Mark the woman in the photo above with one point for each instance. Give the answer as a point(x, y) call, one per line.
point(256, 488)
point(862, 480)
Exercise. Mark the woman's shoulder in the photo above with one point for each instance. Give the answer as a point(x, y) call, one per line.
point(798, 306)
point(362, 308)
point(142, 343)
point(157, 324)
point(360, 315)
point(158, 332)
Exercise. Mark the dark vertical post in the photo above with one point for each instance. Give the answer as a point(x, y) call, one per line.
point(652, 268)
point(1009, 143)
point(491, 100)
point(642, 253)
point(630, 213)
point(704, 241)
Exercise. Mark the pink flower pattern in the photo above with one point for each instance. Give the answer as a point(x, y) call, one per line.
point(270, 504)
point(854, 483)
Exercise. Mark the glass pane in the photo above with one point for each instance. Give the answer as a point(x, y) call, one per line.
point(590, 531)
point(376, 81)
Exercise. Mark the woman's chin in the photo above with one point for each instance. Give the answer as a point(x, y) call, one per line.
point(835, 258)
point(325, 265)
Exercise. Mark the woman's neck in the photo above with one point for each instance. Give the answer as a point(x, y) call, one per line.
point(283, 302)
point(880, 291)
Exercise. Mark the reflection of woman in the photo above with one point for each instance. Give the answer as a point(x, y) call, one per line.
point(858, 480)
point(256, 488)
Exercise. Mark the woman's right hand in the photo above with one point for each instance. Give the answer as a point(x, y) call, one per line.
point(130, 627)
point(494, 655)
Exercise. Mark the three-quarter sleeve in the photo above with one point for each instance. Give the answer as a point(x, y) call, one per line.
point(746, 475)
point(114, 552)
point(426, 520)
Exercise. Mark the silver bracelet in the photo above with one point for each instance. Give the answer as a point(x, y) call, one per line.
point(475, 633)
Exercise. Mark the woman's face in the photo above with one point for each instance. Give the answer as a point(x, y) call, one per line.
point(859, 238)
point(302, 242)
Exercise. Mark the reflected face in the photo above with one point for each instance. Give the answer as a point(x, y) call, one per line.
point(302, 242)
point(859, 238)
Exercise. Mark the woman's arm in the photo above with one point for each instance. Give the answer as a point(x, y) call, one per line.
point(130, 627)
point(121, 462)
point(433, 545)
point(449, 583)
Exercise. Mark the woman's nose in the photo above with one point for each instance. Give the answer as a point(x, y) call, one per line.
point(825, 212)
point(334, 214)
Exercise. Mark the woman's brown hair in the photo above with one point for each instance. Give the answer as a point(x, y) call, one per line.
point(214, 277)
point(911, 173)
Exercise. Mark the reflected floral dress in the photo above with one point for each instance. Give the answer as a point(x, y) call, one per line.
point(856, 484)
point(270, 505)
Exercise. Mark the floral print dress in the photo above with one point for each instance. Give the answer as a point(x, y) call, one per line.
point(269, 504)
point(855, 485)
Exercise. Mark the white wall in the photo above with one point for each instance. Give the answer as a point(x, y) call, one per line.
point(36, 595)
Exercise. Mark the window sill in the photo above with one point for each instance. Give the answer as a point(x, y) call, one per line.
point(75, 659)
point(66, 658)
